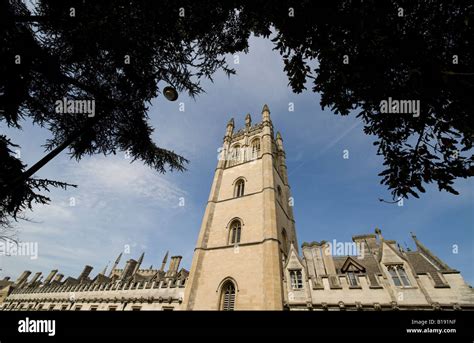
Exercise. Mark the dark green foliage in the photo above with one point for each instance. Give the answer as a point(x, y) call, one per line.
point(405, 57)
point(24, 196)
point(84, 57)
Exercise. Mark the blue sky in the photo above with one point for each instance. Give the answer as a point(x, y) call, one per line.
point(118, 203)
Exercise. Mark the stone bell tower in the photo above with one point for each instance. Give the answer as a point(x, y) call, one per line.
point(247, 227)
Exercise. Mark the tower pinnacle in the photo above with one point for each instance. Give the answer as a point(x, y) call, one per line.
point(279, 141)
point(140, 260)
point(248, 120)
point(266, 114)
point(229, 130)
point(105, 269)
point(165, 259)
point(115, 264)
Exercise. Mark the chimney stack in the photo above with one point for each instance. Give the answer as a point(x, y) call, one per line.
point(50, 276)
point(174, 265)
point(58, 277)
point(85, 273)
point(23, 277)
point(35, 278)
point(128, 270)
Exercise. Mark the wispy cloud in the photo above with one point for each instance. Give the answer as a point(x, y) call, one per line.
point(105, 178)
point(111, 208)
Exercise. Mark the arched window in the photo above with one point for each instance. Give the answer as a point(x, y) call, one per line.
point(235, 229)
point(239, 188)
point(255, 148)
point(236, 156)
point(227, 302)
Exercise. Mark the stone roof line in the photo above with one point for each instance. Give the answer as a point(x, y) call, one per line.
point(131, 273)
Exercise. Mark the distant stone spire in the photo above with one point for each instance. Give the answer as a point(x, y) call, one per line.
point(50, 276)
point(407, 248)
point(165, 259)
point(279, 141)
point(400, 248)
point(266, 114)
point(115, 264)
point(35, 278)
point(105, 269)
point(139, 262)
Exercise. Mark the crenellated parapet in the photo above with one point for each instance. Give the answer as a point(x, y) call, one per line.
point(251, 131)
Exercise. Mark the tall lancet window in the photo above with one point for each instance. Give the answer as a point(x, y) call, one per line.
point(255, 148)
point(239, 188)
point(227, 296)
point(236, 154)
point(235, 229)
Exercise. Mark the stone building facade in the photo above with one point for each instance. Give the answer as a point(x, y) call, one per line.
point(130, 288)
point(247, 257)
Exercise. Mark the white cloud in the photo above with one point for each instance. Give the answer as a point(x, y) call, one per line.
point(116, 177)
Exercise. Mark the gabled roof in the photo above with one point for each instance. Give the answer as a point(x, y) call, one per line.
point(5, 283)
point(368, 262)
point(293, 254)
point(423, 265)
point(352, 265)
point(389, 244)
point(429, 255)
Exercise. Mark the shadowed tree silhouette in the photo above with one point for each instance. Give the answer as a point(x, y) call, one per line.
point(117, 52)
point(370, 51)
point(24, 195)
point(113, 53)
